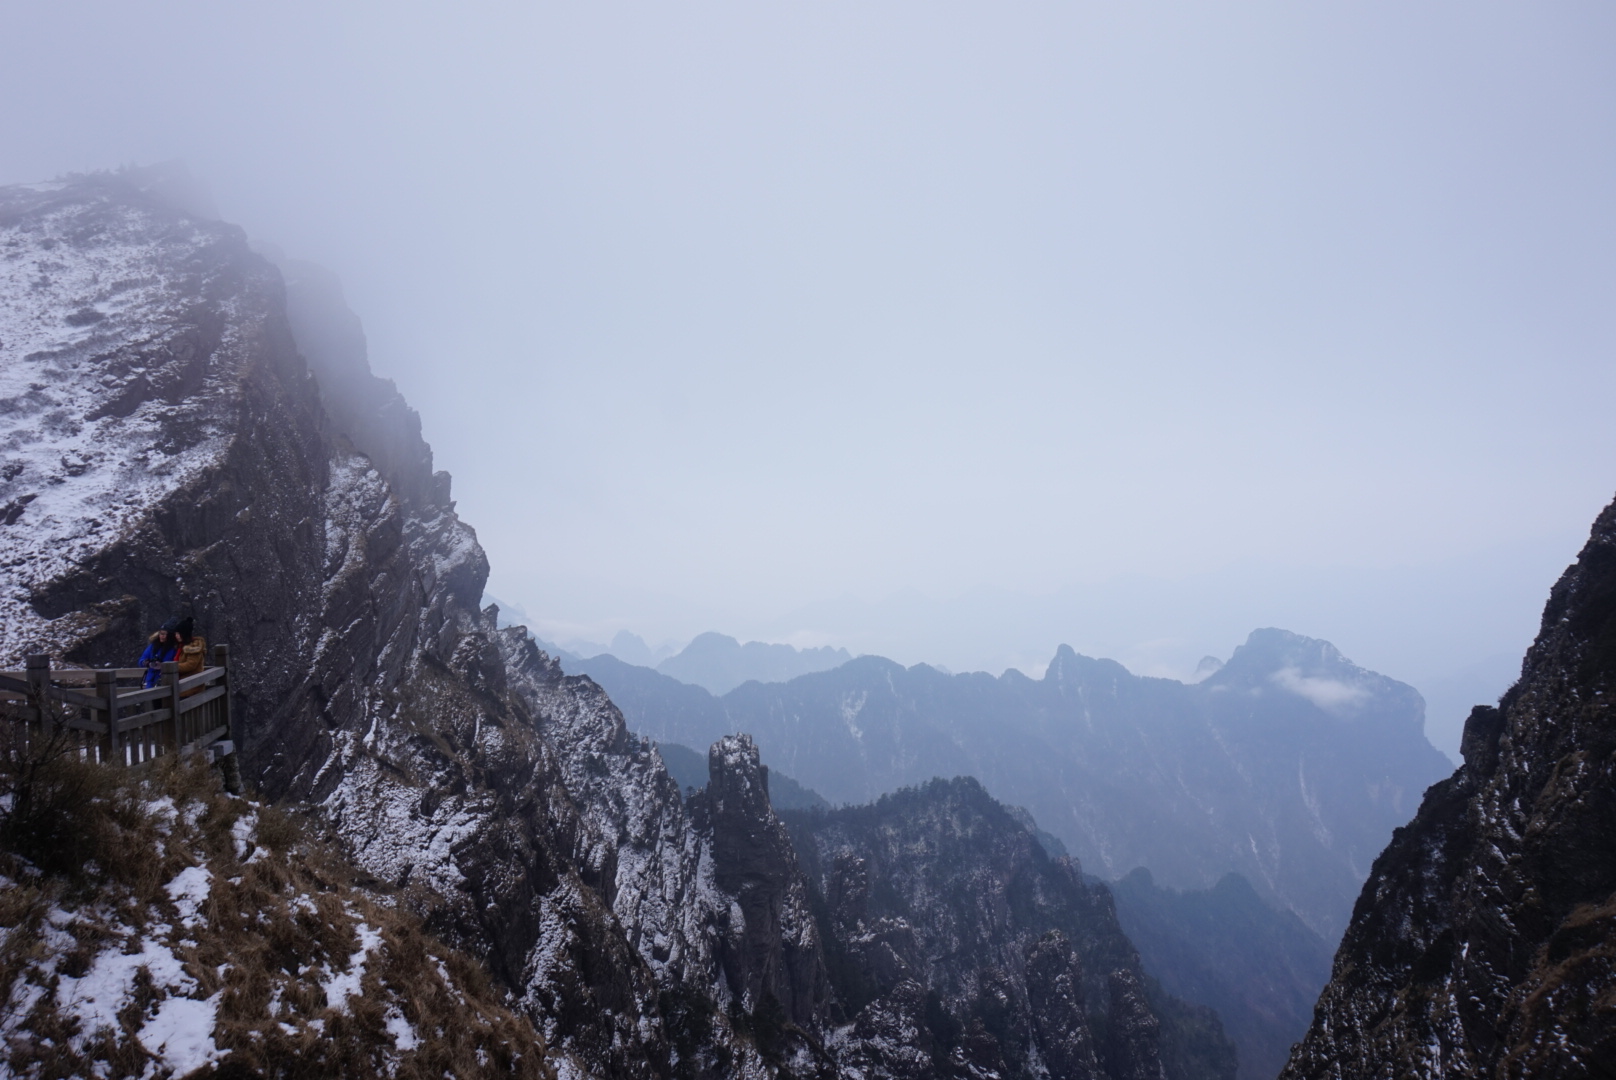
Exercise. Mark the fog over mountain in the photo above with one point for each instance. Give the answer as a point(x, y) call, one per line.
point(479, 868)
point(973, 528)
point(947, 334)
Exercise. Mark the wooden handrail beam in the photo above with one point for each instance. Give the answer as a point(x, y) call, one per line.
point(137, 697)
point(87, 676)
point(202, 678)
point(141, 721)
point(75, 697)
point(212, 693)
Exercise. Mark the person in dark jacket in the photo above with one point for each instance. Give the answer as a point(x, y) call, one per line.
point(161, 647)
point(192, 656)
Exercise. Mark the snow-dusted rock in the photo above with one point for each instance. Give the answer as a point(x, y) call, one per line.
point(1482, 943)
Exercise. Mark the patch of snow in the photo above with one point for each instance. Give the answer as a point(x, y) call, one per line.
point(188, 891)
point(181, 1034)
point(401, 1030)
point(340, 986)
point(164, 812)
point(243, 833)
point(97, 997)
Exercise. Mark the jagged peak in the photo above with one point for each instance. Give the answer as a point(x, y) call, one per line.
point(1070, 667)
point(1273, 660)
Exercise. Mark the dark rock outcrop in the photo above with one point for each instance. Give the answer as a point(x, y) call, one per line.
point(1484, 943)
point(943, 917)
point(773, 956)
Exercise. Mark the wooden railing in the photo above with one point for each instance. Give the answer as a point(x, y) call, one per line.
point(111, 717)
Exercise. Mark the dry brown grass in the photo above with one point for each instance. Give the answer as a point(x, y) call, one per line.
point(281, 917)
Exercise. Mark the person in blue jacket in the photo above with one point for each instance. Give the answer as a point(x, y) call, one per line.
point(162, 647)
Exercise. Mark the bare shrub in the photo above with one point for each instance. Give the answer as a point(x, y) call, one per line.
point(50, 798)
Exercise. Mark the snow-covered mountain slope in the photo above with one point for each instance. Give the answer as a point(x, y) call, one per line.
point(1483, 942)
point(125, 338)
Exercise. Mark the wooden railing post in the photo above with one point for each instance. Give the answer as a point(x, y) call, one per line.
point(221, 660)
point(38, 676)
point(230, 764)
point(171, 679)
point(106, 688)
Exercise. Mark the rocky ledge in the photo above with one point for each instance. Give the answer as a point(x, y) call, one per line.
point(1484, 943)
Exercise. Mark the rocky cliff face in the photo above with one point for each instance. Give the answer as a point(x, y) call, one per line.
point(708, 893)
point(1482, 943)
point(960, 948)
point(169, 445)
point(1289, 765)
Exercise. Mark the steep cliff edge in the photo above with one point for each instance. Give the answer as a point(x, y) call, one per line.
point(1484, 943)
point(168, 445)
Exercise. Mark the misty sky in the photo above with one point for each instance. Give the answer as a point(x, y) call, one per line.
point(939, 330)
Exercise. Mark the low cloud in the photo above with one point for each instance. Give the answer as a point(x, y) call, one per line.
point(1331, 695)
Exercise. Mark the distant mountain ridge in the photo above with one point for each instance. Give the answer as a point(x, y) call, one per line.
point(715, 662)
point(1288, 764)
point(718, 663)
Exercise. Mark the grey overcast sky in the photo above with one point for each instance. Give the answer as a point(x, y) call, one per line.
point(948, 331)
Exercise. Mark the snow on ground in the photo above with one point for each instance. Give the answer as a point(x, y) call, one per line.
point(216, 959)
point(341, 985)
point(402, 1031)
point(189, 891)
point(95, 300)
point(181, 1034)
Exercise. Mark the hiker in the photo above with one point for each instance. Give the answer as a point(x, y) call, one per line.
point(193, 654)
point(161, 647)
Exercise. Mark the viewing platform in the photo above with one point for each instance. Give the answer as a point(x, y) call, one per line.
point(109, 716)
